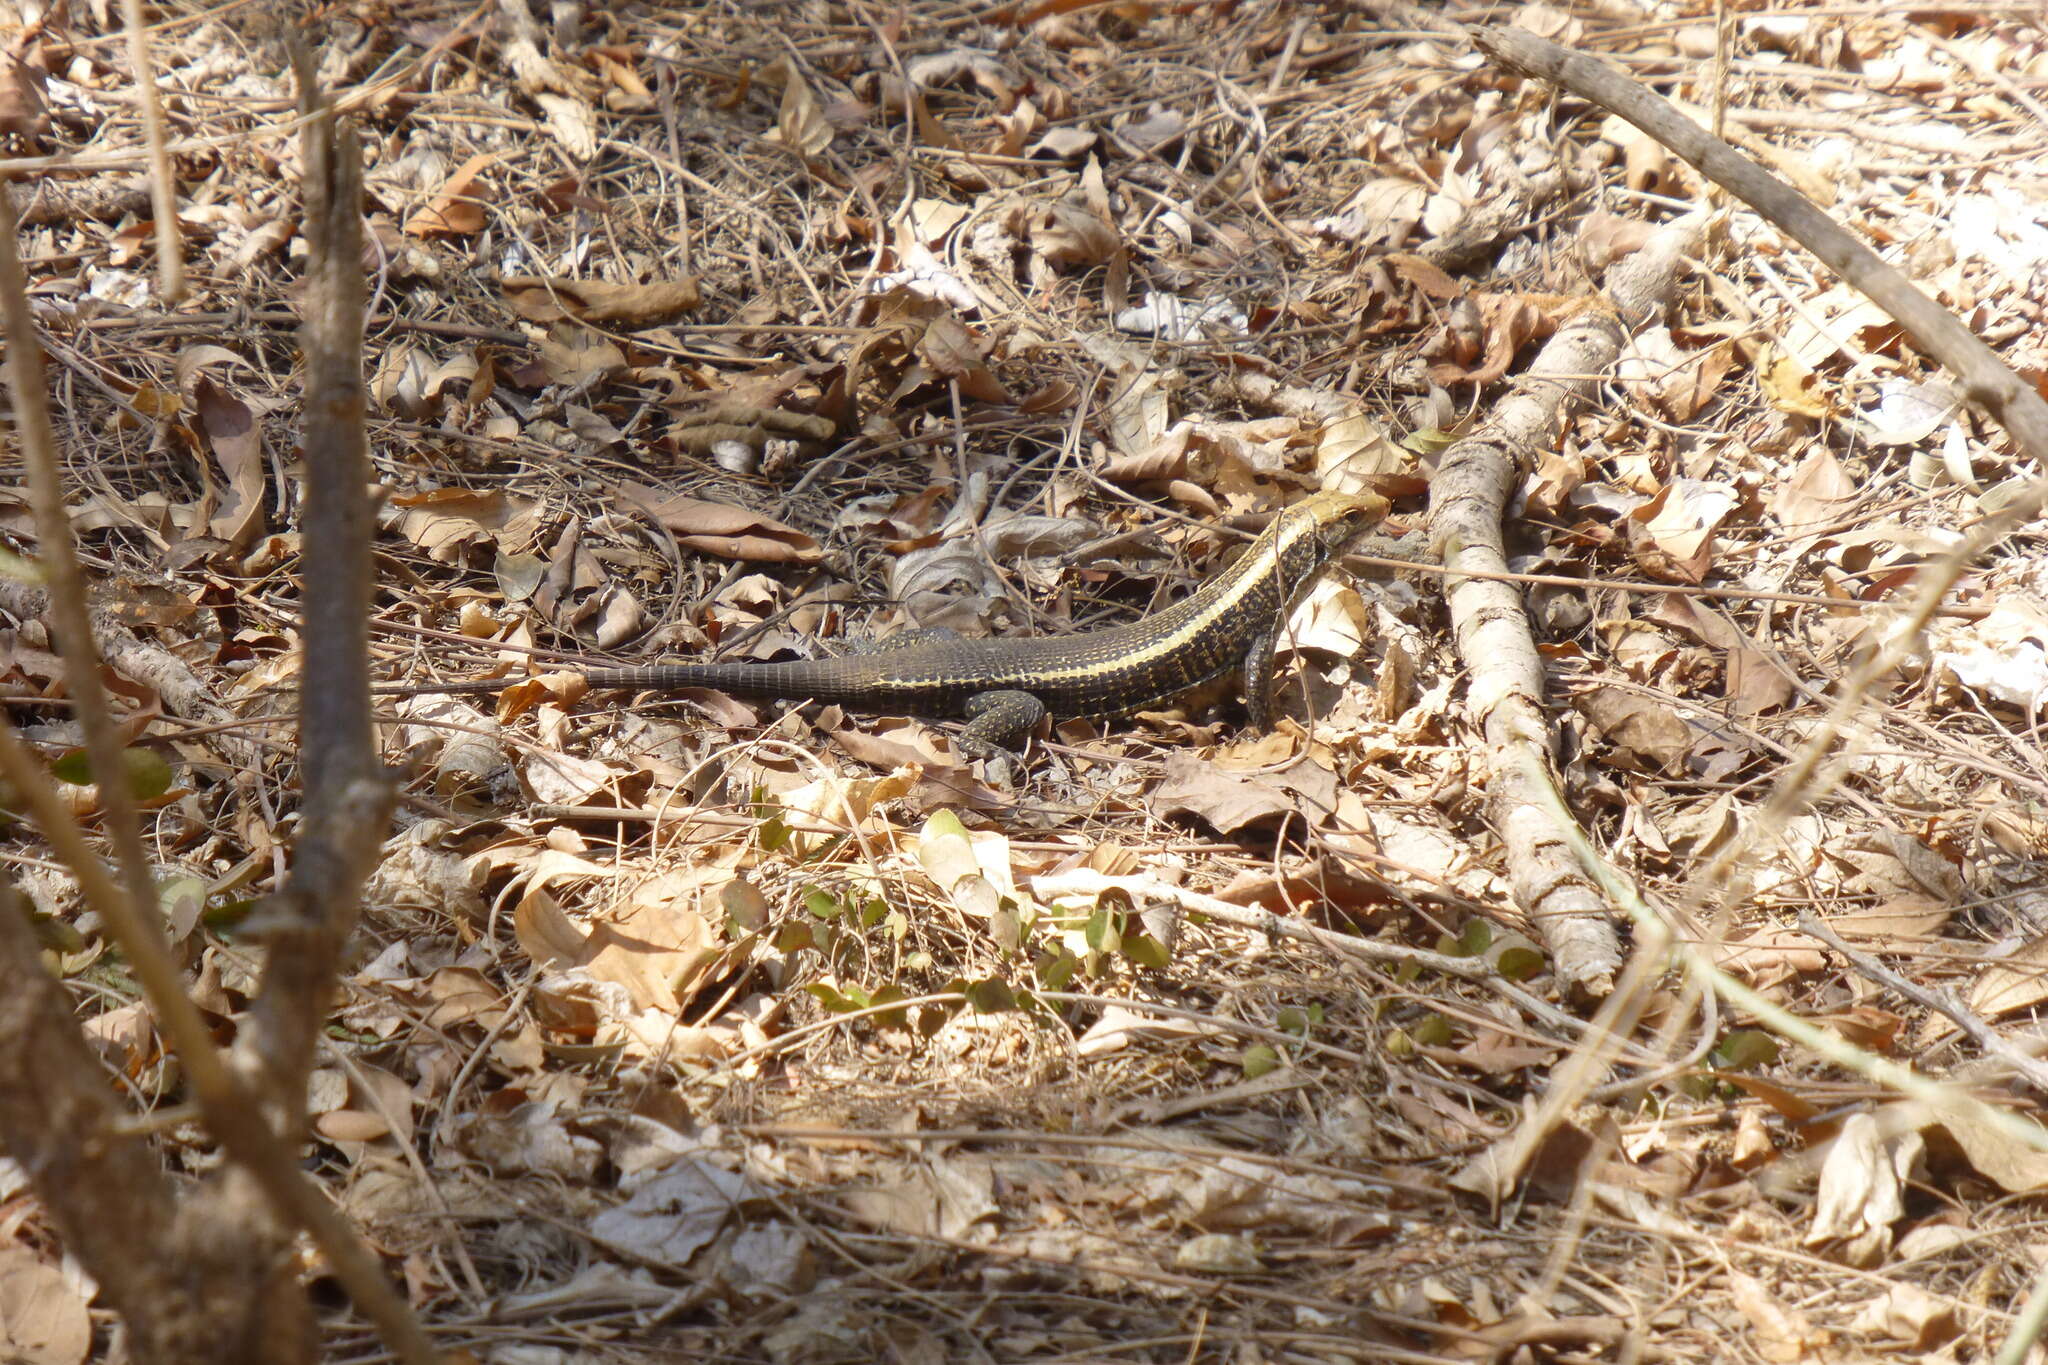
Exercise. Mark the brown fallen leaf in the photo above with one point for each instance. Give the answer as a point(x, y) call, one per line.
point(2014, 982)
point(950, 349)
point(24, 71)
point(578, 357)
point(551, 298)
point(801, 124)
point(43, 1318)
point(716, 528)
point(656, 943)
point(456, 210)
point(1643, 731)
point(1225, 801)
point(444, 521)
point(237, 446)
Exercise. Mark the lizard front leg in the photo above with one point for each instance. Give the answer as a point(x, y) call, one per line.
point(998, 722)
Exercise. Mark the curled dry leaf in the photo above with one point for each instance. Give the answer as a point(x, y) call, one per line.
point(1644, 731)
point(950, 349)
point(717, 528)
point(1067, 232)
point(834, 805)
point(1684, 517)
point(1862, 1189)
point(2018, 980)
point(800, 125)
point(457, 208)
point(2003, 657)
point(443, 522)
point(1384, 211)
point(237, 446)
point(654, 943)
point(551, 298)
point(572, 123)
point(23, 76)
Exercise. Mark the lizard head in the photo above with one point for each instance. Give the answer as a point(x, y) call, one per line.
point(1340, 520)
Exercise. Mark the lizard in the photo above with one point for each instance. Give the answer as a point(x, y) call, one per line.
point(1003, 687)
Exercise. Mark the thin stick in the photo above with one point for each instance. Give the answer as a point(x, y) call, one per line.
point(163, 184)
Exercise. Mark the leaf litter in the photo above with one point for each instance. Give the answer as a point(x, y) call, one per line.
point(704, 331)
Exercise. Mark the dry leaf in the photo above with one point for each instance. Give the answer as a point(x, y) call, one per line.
point(1818, 493)
point(2016, 981)
point(551, 298)
point(456, 210)
point(950, 350)
point(675, 1213)
point(237, 446)
point(1792, 386)
point(23, 113)
point(43, 1321)
point(572, 123)
point(1225, 801)
point(801, 124)
point(1644, 731)
point(717, 528)
point(1781, 1335)
point(578, 357)
point(446, 520)
point(1862, 1190)
point(1906, 1313)
point(1066, 232)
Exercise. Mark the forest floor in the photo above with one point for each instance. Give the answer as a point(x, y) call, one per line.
point(685, 1029)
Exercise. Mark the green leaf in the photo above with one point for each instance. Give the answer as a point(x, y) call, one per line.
point(822, 903)
point(992, 996)
point(795, 937)
point(1744, 1050)
point(224, 917)
point(1475, 938)
point(1258, 1060)
point(1100, 932)
point(831, 998)
point(1292, 1019)
point(1056, 969)
point(889, 995)
point(773, 834)
point(944, 824)
point(148, 775)
point(1427, 443)
point(873, 913)
point(20, 570)
point(1519, 963)
point(1147, 951)
point(1398, 1044)
point(1433, 1030)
